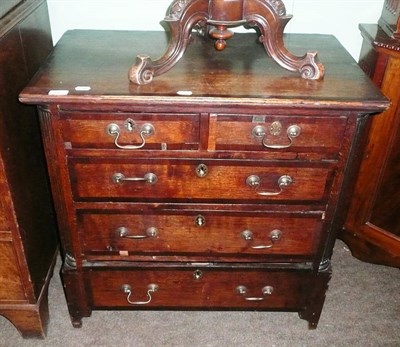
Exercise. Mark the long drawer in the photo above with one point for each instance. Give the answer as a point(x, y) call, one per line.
point(138, 288)
point(203, 232)
point(196, 180)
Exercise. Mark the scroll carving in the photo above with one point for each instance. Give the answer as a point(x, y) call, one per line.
point(268, 16)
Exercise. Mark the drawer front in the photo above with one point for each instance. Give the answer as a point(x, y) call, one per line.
point(195, 288)
point(279, 133)
point(4, 215)
point(212, 180)
point(204, 233)
point(130, 131)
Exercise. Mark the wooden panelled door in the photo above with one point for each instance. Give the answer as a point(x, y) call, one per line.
point(372, 230)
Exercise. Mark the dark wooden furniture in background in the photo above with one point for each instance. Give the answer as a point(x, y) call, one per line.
point(220, 185)
point(27, 227)
point(372, 230)
point(390, 18)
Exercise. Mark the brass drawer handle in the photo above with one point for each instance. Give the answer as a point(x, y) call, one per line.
point(274, 236)
point(120, 178)
point(242, 290)
point(254, 181)
point(123, 232)
point(145, 130)
point(275, 129)
point(127, 289)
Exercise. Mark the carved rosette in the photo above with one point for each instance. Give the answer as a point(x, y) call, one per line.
point(176, 9)
point(269, 16)
point(278, 6)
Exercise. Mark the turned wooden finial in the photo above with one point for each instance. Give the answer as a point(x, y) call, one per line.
point(221, 12)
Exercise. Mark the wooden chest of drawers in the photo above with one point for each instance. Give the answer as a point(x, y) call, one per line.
point(220, 185)
point(28, 237)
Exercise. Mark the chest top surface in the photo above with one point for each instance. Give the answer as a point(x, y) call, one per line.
point(241, 73)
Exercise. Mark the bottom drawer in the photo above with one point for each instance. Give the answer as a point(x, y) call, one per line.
point(198, 288)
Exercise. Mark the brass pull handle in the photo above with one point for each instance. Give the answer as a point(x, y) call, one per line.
point(120, 178)
point(242, 290)
point(145, 130)
point(254, 181)
point(123, 232)
point(127, 289)
point(274, 236)
point(275, 129)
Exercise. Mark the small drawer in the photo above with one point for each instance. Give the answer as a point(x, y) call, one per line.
point(279, 133)
point(138, 288)
point(130, 131)
point(196, 180)
point(204, 233)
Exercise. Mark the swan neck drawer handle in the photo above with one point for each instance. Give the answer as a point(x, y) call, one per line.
point(145, 130)
point(242, 290)
point(127, 289)
point(274, 236)
point(292, 132)
point(254, 181)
